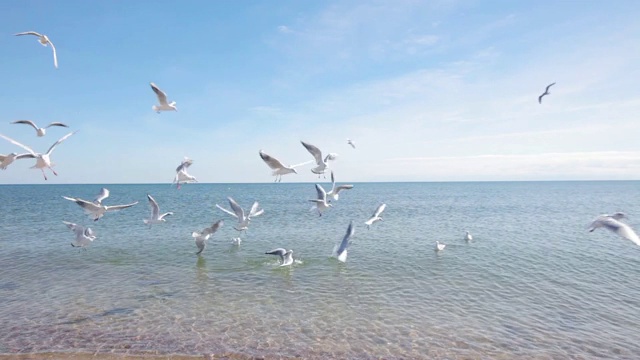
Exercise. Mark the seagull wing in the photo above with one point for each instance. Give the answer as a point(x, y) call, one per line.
point(343, 187)
point(317, 154)
point(548, 86)
point(333, 183)
point(19, 144)
point(345, 240)
point(227, 211)
point(213, 228)
point(322, 195)
point(162, 97)
point(25, 156)
point(254, 210)
point(236, 208)
point(86, 205)
point(279, 251)
point(71, 225)
point(273, 163)
point(59, 141)
point(119, 207)
point(55, 123)
point(55, 57)
point(26, 122)
point(184, 164)
point(621, 229)
point(28, 33)
point(200, 243)
point(379, 210)
point(301, 164)
point(155, 209)
point(104, 193)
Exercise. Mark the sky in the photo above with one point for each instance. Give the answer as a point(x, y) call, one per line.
point(443, 90)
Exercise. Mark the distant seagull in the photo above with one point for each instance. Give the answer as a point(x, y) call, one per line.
point(39, 131)
point(439, 247)
point(321, 201)
point(350, 142)
point(546, 92)
point(340, 250)
point(42, 160)
point(162, 99)
point(286, 256)
point(155, 218)
point(278, 167)
point(334, 193)
point(182, 176)
point(317, 155)
point(204, 235)
point(236, 241)
point(95, 209)
point(238, 213)
point(468, 237)
point(613, 223)
point(84, 236)
point(44, 40)
point(376, 216)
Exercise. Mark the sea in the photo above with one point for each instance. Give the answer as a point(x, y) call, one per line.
point(533, 284)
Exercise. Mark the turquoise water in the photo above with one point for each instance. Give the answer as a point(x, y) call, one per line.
point(534, 284)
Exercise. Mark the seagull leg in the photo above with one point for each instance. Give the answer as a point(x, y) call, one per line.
point(43, 174)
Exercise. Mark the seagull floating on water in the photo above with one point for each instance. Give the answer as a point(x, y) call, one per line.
point(321, 202)
point(334, 193)
point(238, 213)
point(468, 237)
point(546, 92)
point(95, 209)
point(155, 218)
point(340, 250)
point(286, 256)
point(162, 99)
point(40, 131)
point(317, 155)
point(204, 235)
point(42, 160)
point(350, 142)
point(44, 40)
point(376, 215)
point(84, 236)
point(439, 246)
point(278, 167)
point(613, 223)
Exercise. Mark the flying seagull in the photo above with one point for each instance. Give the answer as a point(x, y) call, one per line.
point(278, 167)
point(6, 160)
point(44, 40)
point(182, 176)
point(39, 131)
point(204, 235)
point(350, 142)
point(376, 216)
point(546, 92)
point(238, 213)
point(162, 99)
point(340, 250)
point(156, 217)
point(286, 256)
point(84, 236)
point(335, 190)
point(42, 160)
point(317, 155)
point(321, 201)
point(613, 223)
point(96, 209)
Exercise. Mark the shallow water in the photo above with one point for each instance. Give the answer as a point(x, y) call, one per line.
point(533, 283)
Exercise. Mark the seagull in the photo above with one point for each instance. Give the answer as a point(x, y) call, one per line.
point(162, 99)
point(321, 201)
point(205, 234)
point(40, 131)
point(42, 160)
point(340, 250)
point(84, 236)
point(439, 247)
point(350, 142)
point(95, 209)
point(238, 213)
point(376, 216)
point(546, 92)
point(468, 237)
point(613, 223)
point(317, 155)
point(155, 218)
point(44, 40)
point(286, 256)
point(236, 241)
point(278, 167)
point(182, 176)
point(6, 160)
point(334, 193)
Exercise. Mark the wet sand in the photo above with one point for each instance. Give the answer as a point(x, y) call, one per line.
point(87, 356)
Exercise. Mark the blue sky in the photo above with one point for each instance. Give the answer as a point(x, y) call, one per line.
point(428, 90)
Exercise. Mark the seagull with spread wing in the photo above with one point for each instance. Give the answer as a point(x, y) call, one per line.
point(84, 236)
point(162, 100)
point(182, 176)
point(278, 167)
point(40, 131)
point(96, 209)
point(286, 256)
point(42, 160)
point(238, 213)
point(44, 40)
point(340, 250)
point(156, 217)
point(321, 203)
point(376, 215)
point(204, 235)
point(613, 224)
point(335, 190)
point(546, 92)
point(317, 155)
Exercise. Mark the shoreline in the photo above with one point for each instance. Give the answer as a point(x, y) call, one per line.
point(132, 356)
